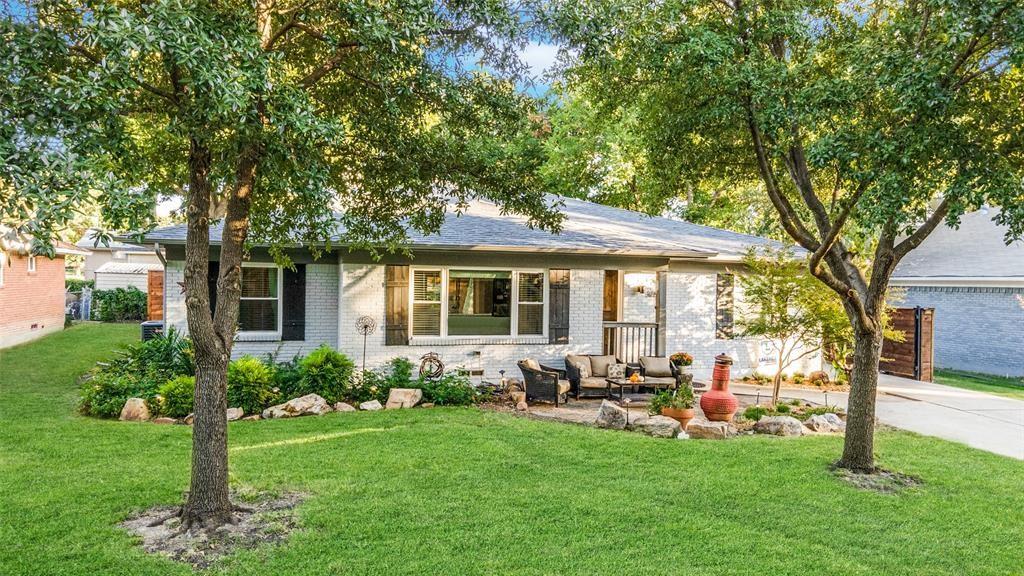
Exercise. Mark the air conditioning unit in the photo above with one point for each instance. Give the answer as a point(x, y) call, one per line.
point(151, 329)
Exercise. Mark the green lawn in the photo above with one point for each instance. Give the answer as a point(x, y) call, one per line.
point(460, 491)
point(1012, 387)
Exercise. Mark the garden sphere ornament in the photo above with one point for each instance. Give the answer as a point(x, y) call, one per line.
point(365, 325)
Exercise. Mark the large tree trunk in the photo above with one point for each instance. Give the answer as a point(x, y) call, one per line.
point(859, 444)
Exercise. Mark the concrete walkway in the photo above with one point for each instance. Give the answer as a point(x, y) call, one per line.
point(983, 421)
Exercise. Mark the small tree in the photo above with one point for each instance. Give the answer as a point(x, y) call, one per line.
point(783, 305)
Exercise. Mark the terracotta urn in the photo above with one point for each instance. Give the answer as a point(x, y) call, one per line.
point(719, 404)
point(681, 415)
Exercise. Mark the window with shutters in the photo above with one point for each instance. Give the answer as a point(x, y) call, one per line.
point(460, 303)
point(259, 309)
point(724, 305)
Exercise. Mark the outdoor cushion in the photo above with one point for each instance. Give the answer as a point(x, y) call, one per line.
point(582, 363)
point(532, 364)
point(656, 366)
point(658, 380)
point(563, 386)
point(599, 365)
point(593, 382)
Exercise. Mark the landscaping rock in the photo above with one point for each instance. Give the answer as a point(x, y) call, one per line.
point(822, 424)
point(427, 405)
point(522, 406)
point(610, 415)
point(164, 420)
point(344, 407)
point(836, 421)
point(235, 414)
point(517, 396)
point(818, 377)
point(703, 429)
point(779, 426)
point(657, 426)
point(403, 398)
point(252, 417)
point(188, 420)
point(135, 410)
point(308, 405)
point(371, 405)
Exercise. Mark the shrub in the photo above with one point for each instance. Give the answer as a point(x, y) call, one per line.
point(452, 389)
point(119, 304)
point(397, 373)
point(328, 373)
point(680, 399)
point(754, 413)
point(177, 396)
point(251, 385)
point(104, 393)
point(782, 409)
point(76, 284)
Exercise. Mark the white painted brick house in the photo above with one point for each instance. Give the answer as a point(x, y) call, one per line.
point(488, 291)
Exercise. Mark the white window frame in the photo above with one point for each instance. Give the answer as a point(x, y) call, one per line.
point(31, 263)
point(265, 334)
point(513, 313)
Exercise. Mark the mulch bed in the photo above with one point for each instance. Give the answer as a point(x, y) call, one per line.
point(265, 521)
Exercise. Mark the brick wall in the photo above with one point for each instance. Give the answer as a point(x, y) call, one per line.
point(979, 329)
point(321, 312)
point(31, 304)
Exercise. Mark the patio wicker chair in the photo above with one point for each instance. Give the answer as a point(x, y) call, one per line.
point(543, 383)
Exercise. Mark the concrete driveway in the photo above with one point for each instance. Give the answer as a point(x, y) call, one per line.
point(983, 421)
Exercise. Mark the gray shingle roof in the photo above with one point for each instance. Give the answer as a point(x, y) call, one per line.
point(976, 249)
point(91, 242)
point(587, 228)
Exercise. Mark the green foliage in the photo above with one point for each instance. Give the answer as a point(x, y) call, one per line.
point(326, 372)
point(396, 373)
point(680, 399)
point(176, 396)
point(119, 305)
point(452, 389)
point(755, 413)
point(76, 284)
point(251, 385)
point(138, 371)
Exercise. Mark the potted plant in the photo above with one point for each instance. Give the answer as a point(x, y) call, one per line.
point(682, 361)
point(677, 405)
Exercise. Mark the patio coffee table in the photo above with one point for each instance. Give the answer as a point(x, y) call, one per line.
point(622, 383)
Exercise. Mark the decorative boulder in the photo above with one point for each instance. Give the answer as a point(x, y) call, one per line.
point(344, 407)
point(427, 405)
point(371, 405)
point(522, 406)
point(164, 420)
point(251, 417)
point(403, 398)
point(610, 415)
point(308, 405)
point(657, 426)
point(819, 423)
point(235, 414)
point(135, 410)
point(188, 420)
point(517, 396)
point(703, 429)
point(818, 377)
point(779, 426)
point(836, 421)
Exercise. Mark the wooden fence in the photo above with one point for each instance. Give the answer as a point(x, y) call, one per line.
point(912, 358)
point(155, 295)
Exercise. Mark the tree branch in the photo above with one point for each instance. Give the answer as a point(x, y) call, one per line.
point(328, 65)
point(915, 239)
point(836, 229)
point(169, 96)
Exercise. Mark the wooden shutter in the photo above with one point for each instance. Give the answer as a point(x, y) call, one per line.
point(213, 274)
point(396, 306)
point(724, 307)
point(294, 312)
point(558, 307)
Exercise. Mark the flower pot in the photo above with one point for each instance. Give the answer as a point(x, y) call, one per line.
point(681, 415)
point(718, 404)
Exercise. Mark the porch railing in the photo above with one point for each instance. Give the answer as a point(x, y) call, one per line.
point(631, 340)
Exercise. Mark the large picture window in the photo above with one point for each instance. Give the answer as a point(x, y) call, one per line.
point(467, 302)
point(260, 306)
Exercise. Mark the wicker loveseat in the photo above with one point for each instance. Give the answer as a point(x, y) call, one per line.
point(659, 369)
point(543, 383)
point(587, 373)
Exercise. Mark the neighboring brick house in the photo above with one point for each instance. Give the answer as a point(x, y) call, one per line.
point(975, 283)
point(487, 291)
point(31, 292)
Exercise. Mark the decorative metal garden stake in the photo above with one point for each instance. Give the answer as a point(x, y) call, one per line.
point(365, 325)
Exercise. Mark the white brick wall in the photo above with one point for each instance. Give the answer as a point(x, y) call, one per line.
point(363, 288)
point(321, 312)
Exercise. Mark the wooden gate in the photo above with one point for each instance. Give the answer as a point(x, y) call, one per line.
point(912, 358)
point(155, 295)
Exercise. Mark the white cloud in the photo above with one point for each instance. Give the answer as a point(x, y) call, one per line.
point(539, 57)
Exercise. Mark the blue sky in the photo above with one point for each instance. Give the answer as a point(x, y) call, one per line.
point(540, 57)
